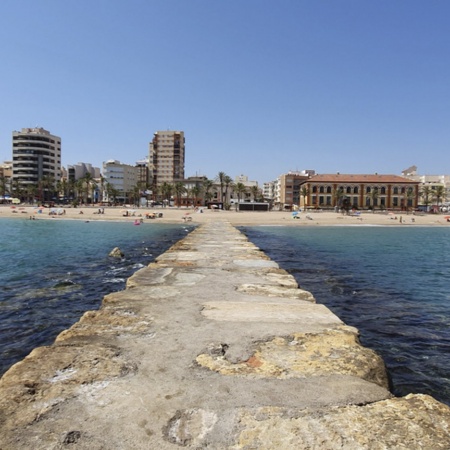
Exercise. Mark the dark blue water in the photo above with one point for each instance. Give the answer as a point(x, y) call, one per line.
point(51, 272)
point(392, 283)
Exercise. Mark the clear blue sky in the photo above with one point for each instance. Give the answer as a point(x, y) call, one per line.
point(259, 87)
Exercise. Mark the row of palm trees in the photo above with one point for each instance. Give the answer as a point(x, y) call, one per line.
point(205, 191)
point(89, 190)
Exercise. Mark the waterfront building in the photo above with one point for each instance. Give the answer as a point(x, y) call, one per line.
point(361, 191)
point(166, 158)
point(77, 171)
point(121, 181)
point(36, 160)
point(143, 169)
point(428, 185)
point(269, 191)
point(287, 189)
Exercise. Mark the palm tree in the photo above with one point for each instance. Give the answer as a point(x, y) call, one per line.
point(79, 188)
point(166, 191)
point(438, 193)
point(31, 192)
point(374, 196)
point(195, 192)
point(3, 183)
point(179, 189)
point(207, 186)
point(240, 189)
point(338, 194)
point(112, 193)
point(228, 181)
point(255, 193)
point(47, 187)
point(87, 180)
point(426, 193)
point(221, 179)
point(304, 192)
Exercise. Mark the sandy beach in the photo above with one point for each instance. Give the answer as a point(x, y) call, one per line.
point(180, 215)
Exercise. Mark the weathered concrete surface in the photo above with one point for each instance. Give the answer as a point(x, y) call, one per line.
point(212, 346)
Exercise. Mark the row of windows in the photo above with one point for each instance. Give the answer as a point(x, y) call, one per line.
point(382, 190)
point(354, 201)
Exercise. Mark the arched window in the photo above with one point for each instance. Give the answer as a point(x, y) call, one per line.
point(328, 189)
point(348, 190)
point(314, 189)
point(396, 191)
point(383, 190)
point(321, 189)
point(368, 190)
point(356, 190)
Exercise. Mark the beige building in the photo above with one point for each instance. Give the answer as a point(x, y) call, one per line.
point(361, 191)
point(36, 155)
point(431, 182)
point(166, 158)
point(122, 178)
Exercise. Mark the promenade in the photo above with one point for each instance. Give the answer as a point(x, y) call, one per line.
point(211, 346)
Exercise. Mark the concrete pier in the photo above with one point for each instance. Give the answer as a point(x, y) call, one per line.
point(211, 346)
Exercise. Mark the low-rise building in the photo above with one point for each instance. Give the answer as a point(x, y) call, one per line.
point(120, 181)
point(360, 191)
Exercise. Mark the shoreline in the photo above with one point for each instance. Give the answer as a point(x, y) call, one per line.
point(236, 218)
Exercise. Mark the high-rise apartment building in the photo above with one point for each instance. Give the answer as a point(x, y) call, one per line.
point(166, 157)
point(36, 155)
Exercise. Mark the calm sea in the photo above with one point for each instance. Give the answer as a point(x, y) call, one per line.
point(52, 271)
point(392, 283)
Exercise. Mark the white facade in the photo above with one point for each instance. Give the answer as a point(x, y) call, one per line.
point(121, 177)
point(36, 154)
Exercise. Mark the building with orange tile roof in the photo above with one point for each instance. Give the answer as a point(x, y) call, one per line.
point(360, 191)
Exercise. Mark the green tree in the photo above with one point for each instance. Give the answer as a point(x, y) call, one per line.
point(254, 190)
point(207, 187)
point(304, 192)
point(374, 197)
point(338, 194)
point(228, 182)
point(166, 191)
point(438, 194)
point(240, 189)
point(87, 181)
point(47, 188)
point(426, 194)
point(179, 189)
point(221, 180)
point(195, 192)
point(3, 186)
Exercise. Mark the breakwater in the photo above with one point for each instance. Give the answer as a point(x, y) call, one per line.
point(211, 346)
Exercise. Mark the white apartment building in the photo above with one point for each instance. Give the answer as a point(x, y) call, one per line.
point(166, 157)
point(36, 155)
point(122, 177)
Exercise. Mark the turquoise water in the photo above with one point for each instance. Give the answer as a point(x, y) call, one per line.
point(392, 283)
point(52, 271)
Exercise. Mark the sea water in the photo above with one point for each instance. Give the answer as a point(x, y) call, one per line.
point(392, 283)
point(52, 271)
